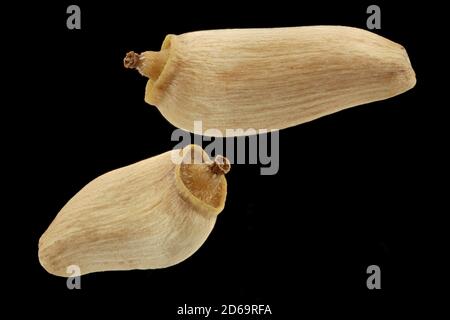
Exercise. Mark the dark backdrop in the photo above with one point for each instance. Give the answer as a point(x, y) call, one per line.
point(352, 189)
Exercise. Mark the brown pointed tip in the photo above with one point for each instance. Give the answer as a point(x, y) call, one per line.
point(131, 60)
point(221, 165)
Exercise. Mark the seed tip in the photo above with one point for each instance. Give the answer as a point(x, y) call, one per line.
point(221, 165)
point(131, 60)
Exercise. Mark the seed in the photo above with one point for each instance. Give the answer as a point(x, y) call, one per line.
point(151, 214)
point(270, 78)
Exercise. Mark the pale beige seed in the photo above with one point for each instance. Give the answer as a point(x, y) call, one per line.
point(151, 214)
point(270, 78)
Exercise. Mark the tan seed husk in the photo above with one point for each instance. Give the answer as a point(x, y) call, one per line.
point(269, 78)
point(151, 214)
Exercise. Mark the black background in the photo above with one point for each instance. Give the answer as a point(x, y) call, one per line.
point(352, 190)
